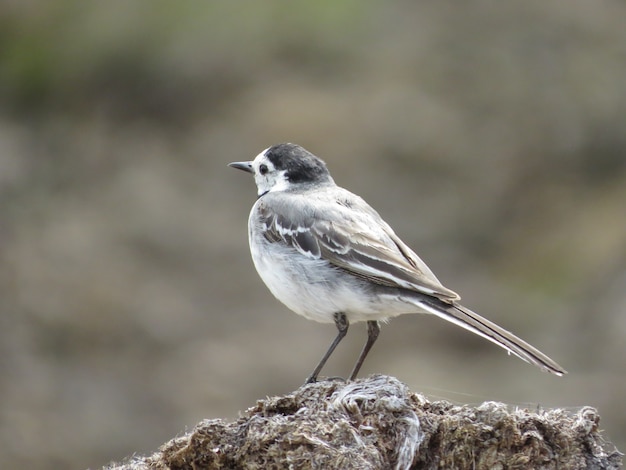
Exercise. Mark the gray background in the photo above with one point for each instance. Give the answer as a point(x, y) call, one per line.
point(491, 136)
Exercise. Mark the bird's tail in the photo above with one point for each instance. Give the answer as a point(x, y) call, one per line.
point(473, 322)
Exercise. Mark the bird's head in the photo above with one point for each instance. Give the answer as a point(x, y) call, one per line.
point(283, 167)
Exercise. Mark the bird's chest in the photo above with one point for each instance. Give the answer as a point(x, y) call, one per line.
point(299, 282)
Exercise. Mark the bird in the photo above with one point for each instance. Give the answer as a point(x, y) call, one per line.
point(327, 255)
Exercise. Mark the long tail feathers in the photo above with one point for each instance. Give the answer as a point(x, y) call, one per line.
point(473, 322)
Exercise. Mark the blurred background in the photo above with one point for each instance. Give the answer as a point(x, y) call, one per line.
point(491, 136)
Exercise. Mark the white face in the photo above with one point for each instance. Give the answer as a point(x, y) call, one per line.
point(266, 176)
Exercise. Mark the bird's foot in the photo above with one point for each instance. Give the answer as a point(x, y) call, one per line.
point(311, 380)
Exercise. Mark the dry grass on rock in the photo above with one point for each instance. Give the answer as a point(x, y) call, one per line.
point(377, 423)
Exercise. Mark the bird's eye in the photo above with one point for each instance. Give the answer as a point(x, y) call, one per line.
point(263, 169)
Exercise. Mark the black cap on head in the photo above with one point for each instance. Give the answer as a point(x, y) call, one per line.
point(301, 165)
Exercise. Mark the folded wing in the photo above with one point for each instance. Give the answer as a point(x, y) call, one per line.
point(358, 241)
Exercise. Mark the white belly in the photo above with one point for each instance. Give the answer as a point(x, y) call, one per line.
point(316, 290)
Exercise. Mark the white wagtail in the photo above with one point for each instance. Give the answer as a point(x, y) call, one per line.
point(328, 256)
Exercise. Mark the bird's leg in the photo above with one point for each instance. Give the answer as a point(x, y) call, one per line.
point(372, 334)
point(342, 324)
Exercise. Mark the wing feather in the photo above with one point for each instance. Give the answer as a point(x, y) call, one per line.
point(358, 241)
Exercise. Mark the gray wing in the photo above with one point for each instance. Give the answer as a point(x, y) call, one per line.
point(348, 233)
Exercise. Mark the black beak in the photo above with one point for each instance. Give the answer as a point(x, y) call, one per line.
point(245, 166)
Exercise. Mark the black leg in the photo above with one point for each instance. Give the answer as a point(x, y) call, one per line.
point(341, 322)
point(372, 334)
